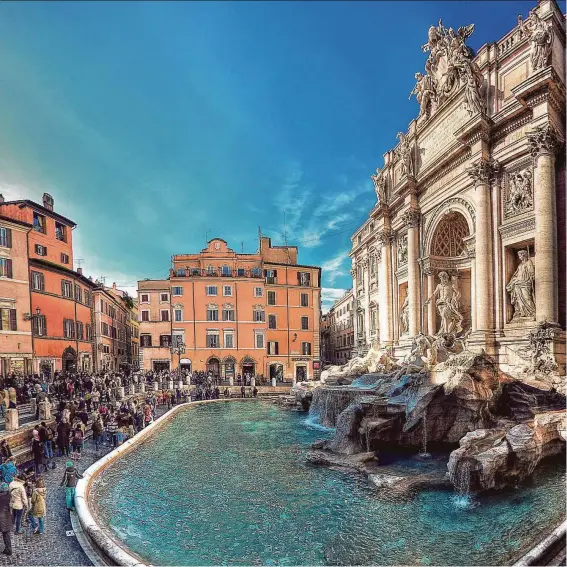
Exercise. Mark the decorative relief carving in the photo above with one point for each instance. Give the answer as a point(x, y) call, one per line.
point(541, 39)
point(519, 194)
point(544, 140)
point(379, 180)
point(484, 171)
point(521, 288)
point(228, 306)
point(402, 250)
point(405, 154)
point(411, 218)
point(448, 69)
point(525, 227)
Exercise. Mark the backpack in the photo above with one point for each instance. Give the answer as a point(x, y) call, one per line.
point(78, 437)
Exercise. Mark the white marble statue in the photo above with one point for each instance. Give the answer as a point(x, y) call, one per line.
point(379, 180)
point(541, 39)
point(448, 296)
point(404, 316)
point(521, 287)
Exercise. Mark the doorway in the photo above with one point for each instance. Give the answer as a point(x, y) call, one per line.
point(69, 360)
point(276, 371)
point(301, 373)
point(213, 366)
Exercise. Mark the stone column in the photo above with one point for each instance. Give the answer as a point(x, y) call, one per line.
point(252, 381)
point(33, 406)
point(482, 172)
point(385, 287)
point(431, 310)
point(544, 142)
point(12, 421)
point(170, 385)
point(180, 384)
point(231, 381)
point(156, 386)
point(142, 387)
point(411, 219)
point(273, 382)
point(366, 275)
point(473, 295)
point(44, 411)
point(121, 393)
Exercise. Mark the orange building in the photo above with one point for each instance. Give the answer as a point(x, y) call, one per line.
point(235, 313)
point(15, 311)
point(61, 298)
point(112, 319)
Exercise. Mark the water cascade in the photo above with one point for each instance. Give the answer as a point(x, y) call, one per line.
point(424, 454)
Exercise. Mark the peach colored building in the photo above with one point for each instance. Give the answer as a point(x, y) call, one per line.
point(235, 313)
point(112, 331)
point(61, 298)
point(15, 311)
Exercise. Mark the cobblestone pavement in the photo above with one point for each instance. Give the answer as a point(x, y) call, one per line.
point(54, 546)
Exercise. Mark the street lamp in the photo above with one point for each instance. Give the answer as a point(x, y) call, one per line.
point(178, 347)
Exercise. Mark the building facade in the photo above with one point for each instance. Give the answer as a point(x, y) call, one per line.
point(112, 329)
point(339, 331)
point(468, 233)
point(235, 313)
point(16, 350)
point(61, 298)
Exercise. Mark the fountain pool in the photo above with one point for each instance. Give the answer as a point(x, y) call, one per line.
point(227, 484)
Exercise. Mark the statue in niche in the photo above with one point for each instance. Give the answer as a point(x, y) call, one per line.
point(520, 196)
point(379, 180)
point(404, 316)
point(404, 153)
point(521, 288)
point(402, 251)
point(448, 297)
point(541, 38)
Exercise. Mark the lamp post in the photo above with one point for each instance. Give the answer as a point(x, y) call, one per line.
point(178, 347)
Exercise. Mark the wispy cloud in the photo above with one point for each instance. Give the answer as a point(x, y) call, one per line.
point(329, 295)
point(335, 267)
point(332, 213)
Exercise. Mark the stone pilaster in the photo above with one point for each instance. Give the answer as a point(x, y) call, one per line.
point(411, 219)
point(544, 143)
point(482, 173)
point(385, 287)
point(431, 310)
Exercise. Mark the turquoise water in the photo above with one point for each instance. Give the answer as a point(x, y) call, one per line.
point(227, 484)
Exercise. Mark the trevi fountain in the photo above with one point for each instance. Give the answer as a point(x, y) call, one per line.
point(442, 441)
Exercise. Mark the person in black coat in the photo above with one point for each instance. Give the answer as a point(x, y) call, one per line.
point(38, 451)
point(6, 524)
point(63, 437)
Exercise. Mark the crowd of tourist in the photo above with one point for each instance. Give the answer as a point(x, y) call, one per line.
point(78, 400)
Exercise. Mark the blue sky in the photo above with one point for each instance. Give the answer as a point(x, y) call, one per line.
point(153, 123)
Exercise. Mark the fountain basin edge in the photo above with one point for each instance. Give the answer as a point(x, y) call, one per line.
point(108, 549)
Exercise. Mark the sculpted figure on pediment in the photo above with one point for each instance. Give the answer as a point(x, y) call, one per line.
point(404, 154)
point(379, 180)
point(449, 67)
point(541, 39)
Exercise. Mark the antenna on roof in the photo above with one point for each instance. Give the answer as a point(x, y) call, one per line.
point(79, 262)
point(242, 247)
point(207, 235)
point(285, 238)
point(102, 280)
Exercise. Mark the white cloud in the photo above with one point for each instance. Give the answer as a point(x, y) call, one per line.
point(329, 295)
point(335, 267)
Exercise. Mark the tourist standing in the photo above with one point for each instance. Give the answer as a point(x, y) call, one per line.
point(63, 435)
point(38, 451)
point(98, 428)
point(77, 441)
point(5, 451)
point(18, 501)
point(70, 479)
point(8, 470)
point(6, 518)
point(38, 507)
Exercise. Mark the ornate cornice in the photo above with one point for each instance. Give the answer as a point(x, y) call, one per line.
point(524, 226)
point(484, 171)
point(411, 218)
point(544, 140)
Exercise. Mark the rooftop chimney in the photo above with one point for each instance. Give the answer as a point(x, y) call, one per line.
point(113, 285)
point(80, 271)
point(48, 201)
point(1, 198)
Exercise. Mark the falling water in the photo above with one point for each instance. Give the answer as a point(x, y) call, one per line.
point(461, 479)
point(424, 454)
point(367, 440)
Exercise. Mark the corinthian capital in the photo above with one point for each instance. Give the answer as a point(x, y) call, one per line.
point(384, 237)
point(484, 171)
point(411, 218)
point(544, 140)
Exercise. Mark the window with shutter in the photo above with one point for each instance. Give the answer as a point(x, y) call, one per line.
point(13, 320)
point(5, 237)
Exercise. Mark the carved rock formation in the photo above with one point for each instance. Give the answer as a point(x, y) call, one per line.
point(493, 458)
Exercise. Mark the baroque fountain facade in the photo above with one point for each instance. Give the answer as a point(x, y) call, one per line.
point(459, 270)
